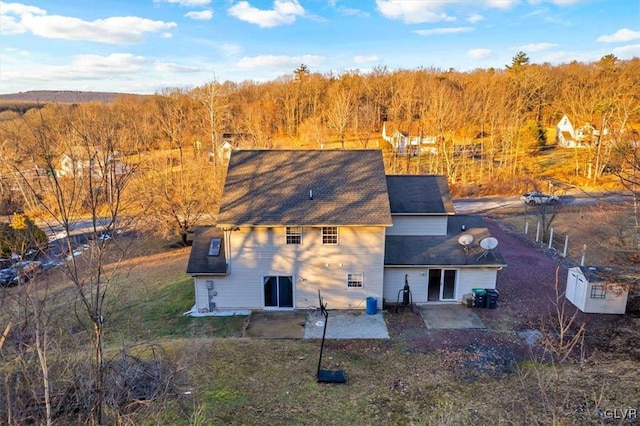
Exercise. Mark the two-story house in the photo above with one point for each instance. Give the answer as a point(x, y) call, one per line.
point(294, 222)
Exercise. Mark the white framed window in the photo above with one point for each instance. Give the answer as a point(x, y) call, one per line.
point(355, 280)
point(293, 235)
point(598, 291)
point(330, 235)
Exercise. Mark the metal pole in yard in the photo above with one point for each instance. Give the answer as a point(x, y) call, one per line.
point(551, 239)
point(584, 253)
point(526, 227)
point(538, 232)
point(566, 244)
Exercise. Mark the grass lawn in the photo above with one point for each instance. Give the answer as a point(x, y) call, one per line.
point(218, 377)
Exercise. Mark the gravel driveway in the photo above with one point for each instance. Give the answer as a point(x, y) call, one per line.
point(527, 299)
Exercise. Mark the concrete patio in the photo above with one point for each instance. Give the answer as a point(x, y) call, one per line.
point(450, 317)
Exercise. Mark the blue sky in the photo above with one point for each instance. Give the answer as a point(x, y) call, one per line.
point(143, 46)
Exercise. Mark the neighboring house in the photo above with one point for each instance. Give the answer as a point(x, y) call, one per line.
point(405, 143)
point(588, 289)
point(294, 222)
point(78, 162)
point(569, 137)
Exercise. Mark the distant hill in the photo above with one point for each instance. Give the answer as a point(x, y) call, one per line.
point(61, 96)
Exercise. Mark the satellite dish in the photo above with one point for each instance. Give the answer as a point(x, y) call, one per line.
point(465, 240)
point(489, 243)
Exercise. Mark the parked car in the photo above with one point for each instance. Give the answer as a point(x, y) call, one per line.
point(8, 277)
point(538, 198)
point(25, 269)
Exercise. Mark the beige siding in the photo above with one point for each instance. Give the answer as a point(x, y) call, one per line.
point(227, 294)
point(394, 282)
point(466, 280)
point(471, 278)
point(258, 252)
point(418, 225)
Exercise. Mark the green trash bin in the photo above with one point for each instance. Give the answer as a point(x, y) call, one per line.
point(480, 298)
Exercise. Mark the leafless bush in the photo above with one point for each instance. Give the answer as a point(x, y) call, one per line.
point(130, 383)
point(561, 333)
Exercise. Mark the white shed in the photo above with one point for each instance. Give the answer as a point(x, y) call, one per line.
point(589, 290)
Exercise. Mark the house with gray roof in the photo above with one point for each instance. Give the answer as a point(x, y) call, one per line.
point(292, 222)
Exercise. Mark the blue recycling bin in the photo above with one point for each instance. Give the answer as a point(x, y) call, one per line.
point(372, 305)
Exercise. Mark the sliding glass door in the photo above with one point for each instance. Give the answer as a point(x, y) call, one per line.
point(278, 291)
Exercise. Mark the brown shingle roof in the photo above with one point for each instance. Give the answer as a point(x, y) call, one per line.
point(443, 250)
point(199, 260)
point(272, 188)
point(425, 194)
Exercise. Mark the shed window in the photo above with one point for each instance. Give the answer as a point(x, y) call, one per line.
point(214, 247)
point(598, 291)
point(355, 280)
point(293, 235)
point(330, 235)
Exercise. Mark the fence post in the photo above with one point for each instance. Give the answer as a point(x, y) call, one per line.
point(566, 244)
point(584, 253)
point(526, 228)
point(538, 232)
point(551, 239)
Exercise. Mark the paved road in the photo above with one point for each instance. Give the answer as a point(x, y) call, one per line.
point(485, 204)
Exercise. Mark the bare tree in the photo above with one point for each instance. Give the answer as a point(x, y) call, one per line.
point(95, 185)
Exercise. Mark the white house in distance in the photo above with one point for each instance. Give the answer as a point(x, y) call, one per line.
point(404, 143)
point(568, 137)
point(80, 161)
point(295, 222)
point(588, 290)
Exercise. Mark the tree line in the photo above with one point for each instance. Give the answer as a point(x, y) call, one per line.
point(156, 164)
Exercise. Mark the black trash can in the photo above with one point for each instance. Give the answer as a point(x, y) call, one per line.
point(480, 298)
point(492, 298)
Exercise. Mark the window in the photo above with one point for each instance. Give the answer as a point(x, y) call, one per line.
point(598, 291)
point(214, 247)
point(355, 280)
point(329, 235)
point(293, 235)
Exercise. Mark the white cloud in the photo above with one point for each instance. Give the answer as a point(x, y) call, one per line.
point(229, 48)
point(81, 67)
point(187, 3)
point(479, 53)
point(365, 59)
point(629, 51)
point(561, 2)
point(623, 34)
point(17, 18)
point(501, 4)
point(279, 61)
point(283, 12)
point(447, 30)
point(20, 9)
point(413, 12)
point(172, 67)
point(349, 11)
point(114, 63)
point(203, 15)
point(536, 47)
point(417, 12)
point(475, 18)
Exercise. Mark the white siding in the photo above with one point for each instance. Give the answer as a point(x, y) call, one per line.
point(466, 280)
point(394, 282)
point(471, 278)
point(257, 252)
point(418, 225)
point(578, 292)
